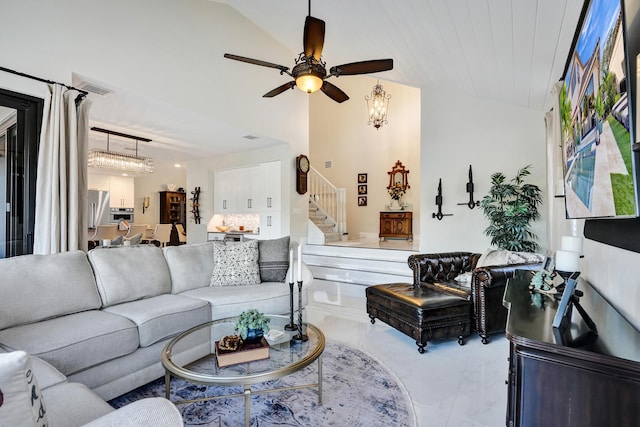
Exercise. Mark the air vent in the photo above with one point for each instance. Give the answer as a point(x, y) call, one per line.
point(89, 87)
point(250, 137)
point(327, 164)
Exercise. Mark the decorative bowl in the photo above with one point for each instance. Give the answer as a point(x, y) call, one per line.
point(223, 228)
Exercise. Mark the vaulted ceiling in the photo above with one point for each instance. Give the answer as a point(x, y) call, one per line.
point(507, 50)
point(510, 51)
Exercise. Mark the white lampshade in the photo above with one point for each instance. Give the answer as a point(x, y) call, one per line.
point(571, 243)
point(567, 261)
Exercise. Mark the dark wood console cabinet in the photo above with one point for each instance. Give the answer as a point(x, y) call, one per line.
point(396, 224)
point(173, 207)
point(578, 378)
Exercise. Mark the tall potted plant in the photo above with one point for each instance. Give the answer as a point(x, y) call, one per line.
point(511, 206)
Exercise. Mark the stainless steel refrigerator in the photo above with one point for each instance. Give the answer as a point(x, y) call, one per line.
point(98, 208)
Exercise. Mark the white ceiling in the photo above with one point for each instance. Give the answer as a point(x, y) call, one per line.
point(510, 51)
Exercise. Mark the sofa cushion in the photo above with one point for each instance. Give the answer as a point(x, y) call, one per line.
point(190, 265)
point(273, 259)
point(268, 297)
point(163, 316)
point(235, 263)
point(38, 287)
point(74, 404)
point(129, 273)
point(21, 401)
point(75, 341)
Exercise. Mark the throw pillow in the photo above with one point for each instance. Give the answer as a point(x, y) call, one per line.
point(273, 259)
point(135, 239)
point(20, 397)
point(235, 263)
point(504, 257)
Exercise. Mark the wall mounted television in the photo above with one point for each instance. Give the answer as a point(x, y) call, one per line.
point(596, 117)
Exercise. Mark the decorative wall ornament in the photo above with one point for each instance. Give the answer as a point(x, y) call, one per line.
point(195, 205)
point(471, 203)
point(439, 215)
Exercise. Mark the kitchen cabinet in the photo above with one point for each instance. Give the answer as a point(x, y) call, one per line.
point(270, 225)
point(173, 207)
point(121, 194)
point(396, 224)
point(251, 189)
point(272, 183)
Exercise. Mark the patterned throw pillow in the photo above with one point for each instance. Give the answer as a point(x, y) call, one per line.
point(235, 263)
point(20, 397)
point(274, 259)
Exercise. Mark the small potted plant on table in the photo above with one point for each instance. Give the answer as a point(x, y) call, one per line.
point(252, 325)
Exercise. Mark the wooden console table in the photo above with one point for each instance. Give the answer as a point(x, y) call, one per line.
point(578, 379)
point(396, 224)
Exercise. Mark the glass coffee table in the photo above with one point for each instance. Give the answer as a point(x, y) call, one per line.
point(191, 357)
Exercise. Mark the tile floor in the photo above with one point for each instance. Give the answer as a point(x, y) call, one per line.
point(449, 385)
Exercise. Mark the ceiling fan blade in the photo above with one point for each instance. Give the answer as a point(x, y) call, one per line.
point(256, 62)
point(333, 92)
point(279, 89)
point(363, 67)
point(313, 40)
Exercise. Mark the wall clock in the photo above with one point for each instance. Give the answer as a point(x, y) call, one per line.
point(302, 168)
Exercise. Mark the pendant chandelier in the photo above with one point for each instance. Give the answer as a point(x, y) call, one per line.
point(130, 163)
point(378, 107)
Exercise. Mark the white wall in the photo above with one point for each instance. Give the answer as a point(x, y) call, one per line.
point(151, 185)
point(142, 48)
point(339, 133)
point(459, 131)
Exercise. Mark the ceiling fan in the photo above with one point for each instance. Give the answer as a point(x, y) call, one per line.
point(309, 72)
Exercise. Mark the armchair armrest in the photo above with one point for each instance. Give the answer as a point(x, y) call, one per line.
point(497, 275)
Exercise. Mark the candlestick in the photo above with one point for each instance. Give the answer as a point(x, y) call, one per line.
point(291, 326)
point(300, 337)
point(299, 278)
point(568, 261)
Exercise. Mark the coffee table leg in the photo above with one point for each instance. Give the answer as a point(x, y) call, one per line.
point(320, 379)
point(167, 384)
point(247, 406)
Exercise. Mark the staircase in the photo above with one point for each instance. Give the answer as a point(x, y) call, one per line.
point(324, 225)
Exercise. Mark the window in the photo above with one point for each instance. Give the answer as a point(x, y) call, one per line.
point(20, 122)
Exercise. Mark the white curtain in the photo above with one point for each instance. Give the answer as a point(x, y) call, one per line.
point(61, 183)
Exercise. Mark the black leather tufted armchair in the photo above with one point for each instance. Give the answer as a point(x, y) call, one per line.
point(437, 271)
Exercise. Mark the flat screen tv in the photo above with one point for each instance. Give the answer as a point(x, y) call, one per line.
point(595, 115)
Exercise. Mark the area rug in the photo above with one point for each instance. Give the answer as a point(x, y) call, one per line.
point(358, 391)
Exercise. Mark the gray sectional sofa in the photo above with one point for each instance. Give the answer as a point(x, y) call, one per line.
point(101, 319)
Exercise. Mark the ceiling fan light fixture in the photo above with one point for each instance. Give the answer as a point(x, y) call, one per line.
point(309, 83)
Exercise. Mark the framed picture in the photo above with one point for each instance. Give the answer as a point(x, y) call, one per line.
point(362, 189)
point(362, 200)
point(362, 178)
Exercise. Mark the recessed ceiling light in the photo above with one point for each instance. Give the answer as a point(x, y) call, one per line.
point(177, 165)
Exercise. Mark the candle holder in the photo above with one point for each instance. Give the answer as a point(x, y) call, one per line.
point(291, 326)
point(300, 337)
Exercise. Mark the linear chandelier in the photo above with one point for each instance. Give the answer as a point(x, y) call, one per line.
point(106, 159)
